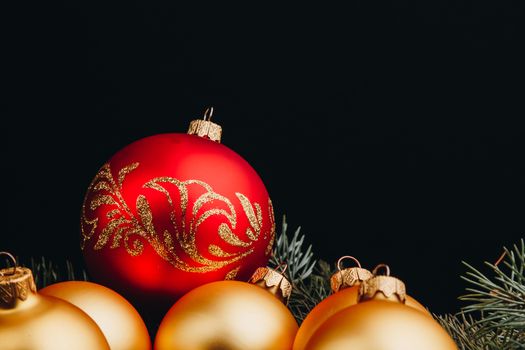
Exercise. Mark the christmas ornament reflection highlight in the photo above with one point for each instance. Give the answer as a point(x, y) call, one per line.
point(31, 321)
point(171, 212)
point(231, 315)
point(117, 318)
point(381, 321)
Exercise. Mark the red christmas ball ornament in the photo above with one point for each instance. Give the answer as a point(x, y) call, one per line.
point(171, 212)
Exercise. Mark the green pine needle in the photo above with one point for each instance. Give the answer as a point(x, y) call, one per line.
point(290, 251)
point(310, 279)
point(495, 316)
point(46, 272)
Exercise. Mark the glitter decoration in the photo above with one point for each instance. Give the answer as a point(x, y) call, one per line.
point(135, 230)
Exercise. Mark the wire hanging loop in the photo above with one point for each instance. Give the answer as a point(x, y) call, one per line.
point(379, 266)
point(341, 259)
point(208, 113)
point(9, 255)
point(282, 267)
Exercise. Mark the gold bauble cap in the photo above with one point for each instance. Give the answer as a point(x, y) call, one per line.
point(205, 127)
point(273, 281)
point(16, 284)
point(383, 287)
point(349, 277)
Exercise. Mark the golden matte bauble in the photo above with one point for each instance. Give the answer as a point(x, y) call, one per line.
point(331, 305)
point(227, 315)
point(30, 321)
point(121, 324)
point(380, 325)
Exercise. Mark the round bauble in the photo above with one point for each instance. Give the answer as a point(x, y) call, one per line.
point(117, 318)
point(31, 321)
point(345, 288)
point(345, 292)
point(171, 212)
point(382, 325)
point(382, 321)
point(228, 315)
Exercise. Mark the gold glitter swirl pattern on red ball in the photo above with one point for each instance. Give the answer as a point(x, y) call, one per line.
point(126, 229)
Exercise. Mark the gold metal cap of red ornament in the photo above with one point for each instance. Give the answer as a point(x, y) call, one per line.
point(205, 127)
point(273, 281)
point(383, 287)
point(16, 284)
point(349, 277)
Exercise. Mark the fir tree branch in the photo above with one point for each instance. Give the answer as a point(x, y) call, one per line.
point(495, 317)
point(307, 293)
point(300, 263)
point(310, 279)
point(46, 272)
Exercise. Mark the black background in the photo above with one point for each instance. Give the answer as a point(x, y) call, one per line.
point(387, 130)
